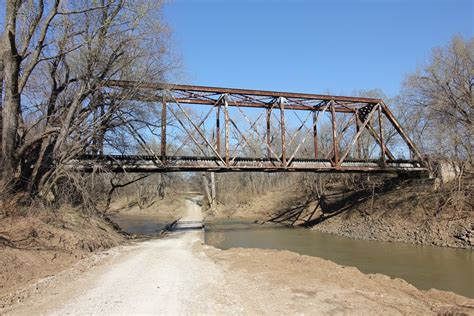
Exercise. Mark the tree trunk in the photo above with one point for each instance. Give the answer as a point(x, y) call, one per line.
point(41, 165)
point(162, 187)
point(11, 105)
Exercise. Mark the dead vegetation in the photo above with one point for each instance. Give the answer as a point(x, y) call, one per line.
point(171, 206)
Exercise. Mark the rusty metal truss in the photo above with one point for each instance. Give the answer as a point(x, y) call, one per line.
point(222, 129)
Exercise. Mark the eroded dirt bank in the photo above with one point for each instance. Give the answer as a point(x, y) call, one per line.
point(179, 275)
point(411, 212)
point(37, 245)
point(40, 245)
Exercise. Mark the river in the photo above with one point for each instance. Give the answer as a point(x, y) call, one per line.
point(423, 266)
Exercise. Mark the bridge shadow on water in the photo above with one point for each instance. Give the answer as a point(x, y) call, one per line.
point(319, 209)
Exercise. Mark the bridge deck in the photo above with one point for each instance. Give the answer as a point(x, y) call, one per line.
point(146, 163)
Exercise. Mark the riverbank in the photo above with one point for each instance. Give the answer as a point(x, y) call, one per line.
point(179, 275)
point(38, 245)
point(413, 212)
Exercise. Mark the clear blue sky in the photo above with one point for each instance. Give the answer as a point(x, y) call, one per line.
point(312, 46)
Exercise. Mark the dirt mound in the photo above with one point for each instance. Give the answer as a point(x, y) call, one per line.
point(36, 246)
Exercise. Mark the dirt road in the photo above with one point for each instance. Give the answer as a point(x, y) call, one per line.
point(156, 276)
point(159, 276)
point(178, 275)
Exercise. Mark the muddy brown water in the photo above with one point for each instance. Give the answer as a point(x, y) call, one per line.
point(141, 225)
point(425, 267)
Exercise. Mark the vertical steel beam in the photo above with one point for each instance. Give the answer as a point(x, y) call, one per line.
point(359, 148)
point(382, 143)
point(335, 145)
point(283, 130)
point(218, 128)
point(163, 129)
point(227, 132)
point(315, 135)
point(269, 133)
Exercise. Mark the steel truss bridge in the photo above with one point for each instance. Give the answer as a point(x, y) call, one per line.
point(253, 130)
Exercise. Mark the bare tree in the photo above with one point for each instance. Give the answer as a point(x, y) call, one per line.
point(440, 100)
point(57, 55)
